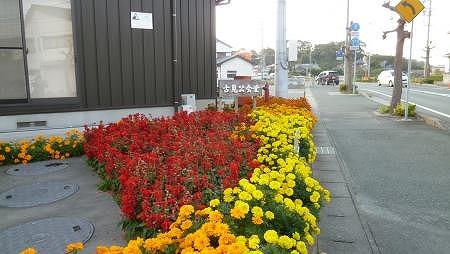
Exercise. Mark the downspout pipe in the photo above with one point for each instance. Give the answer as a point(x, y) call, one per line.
point(176, 95)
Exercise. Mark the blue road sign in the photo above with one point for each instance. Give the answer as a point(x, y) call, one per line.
point(356, 42)
point(339, 53)
point(355, 27)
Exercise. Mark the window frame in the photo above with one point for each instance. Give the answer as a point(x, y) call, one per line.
point(57, 101)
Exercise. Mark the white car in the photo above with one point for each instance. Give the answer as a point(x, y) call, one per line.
point(387, 78)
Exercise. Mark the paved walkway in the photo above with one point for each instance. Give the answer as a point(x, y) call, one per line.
point(97, 207)
point(397, 174)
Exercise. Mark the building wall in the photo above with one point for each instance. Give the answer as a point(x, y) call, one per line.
point(242, 67)
point(118, 67)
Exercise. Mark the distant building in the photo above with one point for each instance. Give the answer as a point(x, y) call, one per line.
point(223, 49)
point(229, 67)
point(448, 64)
point(438, 69)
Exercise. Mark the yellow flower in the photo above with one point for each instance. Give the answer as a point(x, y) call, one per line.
point(238, 213)
point(201, 241)
point(7, 149)
point(186, 224)
point(214, 202)
point(253, 242)
point(271, 236)
point(257, 194)
point(269, 215)
point(257, 211)
point(28, 251)
point(74, 247)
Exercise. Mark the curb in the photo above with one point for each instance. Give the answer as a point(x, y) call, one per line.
point(429, 120)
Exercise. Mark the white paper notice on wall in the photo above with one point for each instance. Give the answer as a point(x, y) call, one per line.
point(141, 20)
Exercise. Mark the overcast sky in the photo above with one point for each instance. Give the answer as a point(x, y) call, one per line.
point(250, 23)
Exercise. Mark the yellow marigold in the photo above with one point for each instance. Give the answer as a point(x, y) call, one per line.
point(28, 251)
point(201, 241)
point(257, 194)
point(186, 210)
point(215, 216)
point(269, 215)
point(271, 236)
point(226, 239)
point(74, 247)
point(214, 202)
point(187, 224)
point(253, 242)
point(7, 149)
point(257, 211)
point(238, 213)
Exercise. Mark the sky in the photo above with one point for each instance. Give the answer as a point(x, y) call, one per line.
point(252, 23)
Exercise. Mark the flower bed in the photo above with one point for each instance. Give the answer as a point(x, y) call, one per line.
point(41, 148)
point(271, 209)
point(155, 167)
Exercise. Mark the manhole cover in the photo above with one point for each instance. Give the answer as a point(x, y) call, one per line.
point(37, 194)
point(37, 168)
point(46, 236)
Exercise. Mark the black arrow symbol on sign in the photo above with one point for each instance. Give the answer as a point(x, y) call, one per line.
point(406, 4)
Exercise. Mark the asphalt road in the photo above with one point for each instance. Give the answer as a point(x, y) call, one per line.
point(398, 171)
point(431, 99)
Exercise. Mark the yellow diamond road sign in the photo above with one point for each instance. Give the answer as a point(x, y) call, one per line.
point(409, 9)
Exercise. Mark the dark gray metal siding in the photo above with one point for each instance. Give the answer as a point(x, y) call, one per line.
point(122, 67)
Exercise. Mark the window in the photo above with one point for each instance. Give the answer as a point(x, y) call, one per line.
point(231, 74)
point(12, 65)
point(36, 39)
point(51, 65)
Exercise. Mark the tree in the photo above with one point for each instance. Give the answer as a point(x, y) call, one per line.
point(269, 55)
point(401, 36)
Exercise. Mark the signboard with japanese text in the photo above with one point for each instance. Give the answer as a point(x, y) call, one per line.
point(141, 20)
point(238, 88)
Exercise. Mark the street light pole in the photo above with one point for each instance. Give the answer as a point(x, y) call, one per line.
point(281, 67)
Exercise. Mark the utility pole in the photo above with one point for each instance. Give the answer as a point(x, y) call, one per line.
point(348, 54)
point(428, 46)
point(310, 60)
point(263, 55)
point(281, 67)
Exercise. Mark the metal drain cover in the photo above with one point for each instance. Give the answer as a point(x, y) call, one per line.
point(37, 168)
point(37, 194)
point(46, 236)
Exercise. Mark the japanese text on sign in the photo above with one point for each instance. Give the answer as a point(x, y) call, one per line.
point(237, 88)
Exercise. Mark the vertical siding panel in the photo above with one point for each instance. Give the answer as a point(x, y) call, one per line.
point(208, 54)
point(90, 59)
point(160, 44)
point(179, 64)
point(193, 46)
point(149, 54)
point(101, 32)
point(169, 81)
point(213, 49)
point(185, 50)
point(79, 57)
point(200, 50)
point(127, 53)
point(115, 65)
point(138, 59)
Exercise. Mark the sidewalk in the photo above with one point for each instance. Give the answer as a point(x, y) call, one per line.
point(389, 179)
point(342, 229)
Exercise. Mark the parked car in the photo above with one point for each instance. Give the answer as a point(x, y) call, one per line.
point(327, 78)
point(387, 78)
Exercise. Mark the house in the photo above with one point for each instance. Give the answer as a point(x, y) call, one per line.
point(229, 67)
point(70, 63)
point(223, 49)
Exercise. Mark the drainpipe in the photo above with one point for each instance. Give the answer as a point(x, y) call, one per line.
point(176, 98)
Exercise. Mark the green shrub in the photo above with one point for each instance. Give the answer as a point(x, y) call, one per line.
point(400, 110)
point(343, 88)
point(427, 81)
point(384, 109)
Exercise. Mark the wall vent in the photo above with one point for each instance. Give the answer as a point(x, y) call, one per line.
point(31, 124)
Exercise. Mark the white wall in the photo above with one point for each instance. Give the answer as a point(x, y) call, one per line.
point(222, 48)
point(238, 64)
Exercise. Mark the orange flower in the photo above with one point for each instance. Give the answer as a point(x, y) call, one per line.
point(257, 220)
